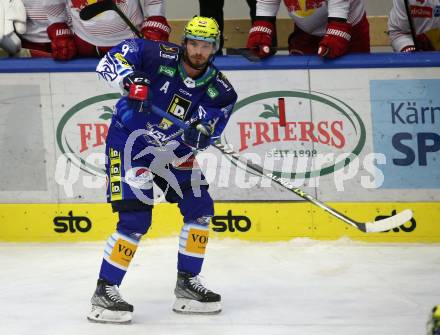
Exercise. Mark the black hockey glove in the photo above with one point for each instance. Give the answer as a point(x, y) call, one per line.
point(198, 136)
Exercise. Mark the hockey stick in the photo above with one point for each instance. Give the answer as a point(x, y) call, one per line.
point(90, 11)
point(248, 53)
point(411, 25)
point(366, 227)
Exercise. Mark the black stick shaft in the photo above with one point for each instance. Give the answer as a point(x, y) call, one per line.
point(97, 8)
point(411, 25)
point(127, 21)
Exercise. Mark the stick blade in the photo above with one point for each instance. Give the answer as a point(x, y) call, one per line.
point(389, 223)
point(90, 11)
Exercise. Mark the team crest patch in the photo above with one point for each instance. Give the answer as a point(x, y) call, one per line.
point(179, 107)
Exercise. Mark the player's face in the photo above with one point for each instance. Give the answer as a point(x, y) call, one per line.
point(198, 53)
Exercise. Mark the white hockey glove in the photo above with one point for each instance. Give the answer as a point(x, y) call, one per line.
point(12, 22)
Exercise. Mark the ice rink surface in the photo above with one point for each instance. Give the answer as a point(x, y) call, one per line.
point(302, 287)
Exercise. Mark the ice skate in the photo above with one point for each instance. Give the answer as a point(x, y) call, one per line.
point(193, 298)
point(108, 305)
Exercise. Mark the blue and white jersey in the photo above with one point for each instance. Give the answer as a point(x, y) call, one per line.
point(209, 98)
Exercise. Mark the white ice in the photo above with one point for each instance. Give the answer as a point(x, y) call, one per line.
point(300, 287)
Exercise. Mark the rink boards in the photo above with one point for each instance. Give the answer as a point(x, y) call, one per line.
point(361, 133)
point(253, 221)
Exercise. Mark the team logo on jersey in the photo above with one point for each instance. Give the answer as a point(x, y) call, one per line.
point(189, 82)
point(179, 107)
point(303, 8)
point(169, 50)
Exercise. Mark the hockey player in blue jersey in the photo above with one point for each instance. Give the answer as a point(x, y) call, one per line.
point(143, 148)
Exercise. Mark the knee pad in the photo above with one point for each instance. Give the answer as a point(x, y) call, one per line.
point(134, 224)
point(193, 208)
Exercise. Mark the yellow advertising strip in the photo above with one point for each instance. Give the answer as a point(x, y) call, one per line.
point(253, 221)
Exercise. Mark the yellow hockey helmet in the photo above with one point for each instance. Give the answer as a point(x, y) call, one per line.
point(203, 29)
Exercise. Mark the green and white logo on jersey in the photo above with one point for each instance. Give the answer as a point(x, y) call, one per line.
point(168, 71)
point(212, 92)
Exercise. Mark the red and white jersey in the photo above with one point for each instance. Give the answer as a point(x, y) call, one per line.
point(107, 28)
point(311, 15)
point(425, 17)
point(36, 22)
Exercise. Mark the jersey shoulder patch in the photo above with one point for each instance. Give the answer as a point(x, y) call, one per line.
point(220, 88)
point(221, 80)
point(169, 51)
point(161, 52)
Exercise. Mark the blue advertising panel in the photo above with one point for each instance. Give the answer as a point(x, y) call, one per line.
point(406, 128)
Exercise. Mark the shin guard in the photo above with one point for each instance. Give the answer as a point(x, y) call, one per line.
point(118, 254)
point(192, 245)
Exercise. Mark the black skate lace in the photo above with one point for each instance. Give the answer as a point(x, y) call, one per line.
point(197, 285)
point(113, 293)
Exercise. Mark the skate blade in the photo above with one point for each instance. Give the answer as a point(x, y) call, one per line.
point(102, 315)
point(189, 306)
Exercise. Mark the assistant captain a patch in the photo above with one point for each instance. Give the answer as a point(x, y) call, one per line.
point(179, 107)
